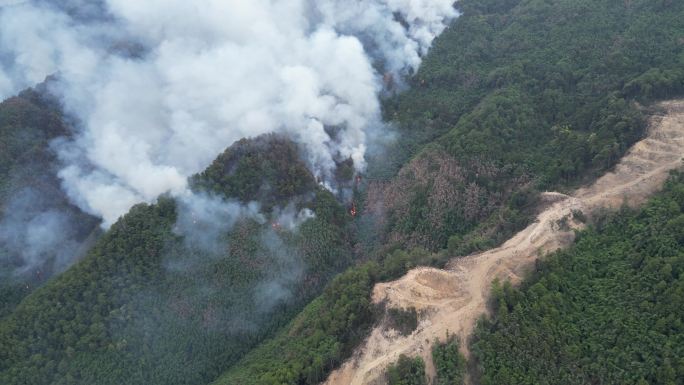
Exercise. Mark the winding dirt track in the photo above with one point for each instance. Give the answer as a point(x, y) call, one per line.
point(451, 300)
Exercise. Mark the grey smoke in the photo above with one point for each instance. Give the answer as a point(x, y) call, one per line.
point(204, 221)
point(159, 88)
point(34, 231)
point(290, 218)
point(287, 270)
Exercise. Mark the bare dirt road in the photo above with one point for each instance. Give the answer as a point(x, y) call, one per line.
point(451, 300)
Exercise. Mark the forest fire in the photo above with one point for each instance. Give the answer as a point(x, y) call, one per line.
point(388, 80)
point(352, 210)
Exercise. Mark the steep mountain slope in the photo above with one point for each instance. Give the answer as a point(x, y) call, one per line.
point(609, 310)
point(450, 301)
point(41, 232)
point(523, 96)
point(514, 98)
point(171, 293)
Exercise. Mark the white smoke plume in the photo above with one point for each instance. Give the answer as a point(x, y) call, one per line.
point(289, 218)
point(203, 220)
point(35, 231)
point(158, 88)
point(287, 270)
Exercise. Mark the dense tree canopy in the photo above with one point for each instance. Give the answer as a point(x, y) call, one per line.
point(326, 331)
point(407, 371)
point(146, 307)
point(450, 365)
point(267, 169)
point(533, 92)
point(29, 187)
point(515, 97)
point(610, 310)
point(524, 94)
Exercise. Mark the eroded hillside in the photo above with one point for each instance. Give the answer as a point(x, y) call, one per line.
point(451, 300)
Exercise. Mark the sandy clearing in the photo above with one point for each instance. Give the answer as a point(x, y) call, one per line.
point(451, 300)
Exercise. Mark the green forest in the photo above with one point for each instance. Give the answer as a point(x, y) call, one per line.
point(450, 366)
point(610, 310)
point(126, 314)
point(516, 97)
point(29, 185)
point(525, 96)
point(484, 97)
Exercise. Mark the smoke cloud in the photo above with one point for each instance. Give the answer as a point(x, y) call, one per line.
point(285, 273)
point(289, 218)
point(205, 224)
point(203, 221)
point(35, 229)
point(158, 88)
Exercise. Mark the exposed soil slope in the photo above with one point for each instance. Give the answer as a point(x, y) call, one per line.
point(451, 300)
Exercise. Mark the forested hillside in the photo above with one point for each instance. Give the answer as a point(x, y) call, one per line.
point(608, 311)
point(40, 231)
point(523, 96)
point(515, 98)
point(153, 305)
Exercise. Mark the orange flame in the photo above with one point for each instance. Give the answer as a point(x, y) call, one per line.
point(352, 211)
